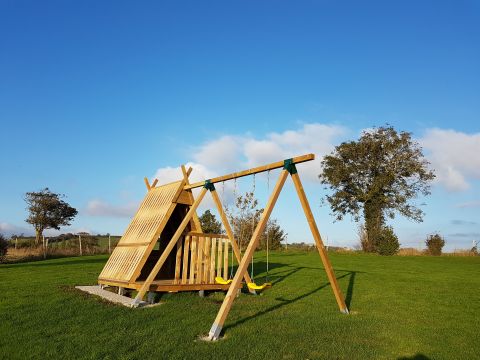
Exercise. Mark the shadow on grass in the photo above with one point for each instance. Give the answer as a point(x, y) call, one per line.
point(48, 262)
point(414, 357)
point(285, 302)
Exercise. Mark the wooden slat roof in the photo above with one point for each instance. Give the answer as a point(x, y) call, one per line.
point(129, 256)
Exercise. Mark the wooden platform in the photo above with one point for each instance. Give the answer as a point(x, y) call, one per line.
point(165, 286)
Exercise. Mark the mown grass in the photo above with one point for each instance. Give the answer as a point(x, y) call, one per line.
point(402, 307)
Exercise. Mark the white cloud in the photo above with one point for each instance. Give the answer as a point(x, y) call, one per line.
point(469, 204)
point(235, 152)
point(208, 154)
point(8, 229)
point(98, 207)
point(454, 156)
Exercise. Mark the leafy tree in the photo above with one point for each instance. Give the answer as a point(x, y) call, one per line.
point(47, 210)
point(3, 247)
point(435, 243)
point(276, 235)
point(210, 224)
point(376, 176)
point(245, 219)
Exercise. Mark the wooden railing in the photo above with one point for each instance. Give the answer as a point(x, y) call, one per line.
point(201, 257)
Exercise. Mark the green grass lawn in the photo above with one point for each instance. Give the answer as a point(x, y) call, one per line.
point(402, 307)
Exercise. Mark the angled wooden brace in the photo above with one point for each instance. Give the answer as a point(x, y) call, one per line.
point(247, 258)
point(196, 220)
point(168, 249)
point(318, 241)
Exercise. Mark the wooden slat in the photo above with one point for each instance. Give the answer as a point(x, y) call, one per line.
point(225, 260)
point(213, 255)
point(186, 250)
point(200, 260)
point(218, 236)
point(193, 260)
point(206, 259)
point(166, 285)
point(184, 198)
point(236, 175)
point(219, 257)
point(206, 275)
point(178, 261)
point(133, 244)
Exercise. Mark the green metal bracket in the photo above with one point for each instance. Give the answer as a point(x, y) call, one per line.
point(209, 185)
point(289, 165)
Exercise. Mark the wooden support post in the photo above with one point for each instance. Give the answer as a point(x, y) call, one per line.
point(228, 230)
point(168, 249)
point(178, 262)
point(319, 243)
point(186, 251)
point(147, 184)
point(247, 258)
point(80, 244)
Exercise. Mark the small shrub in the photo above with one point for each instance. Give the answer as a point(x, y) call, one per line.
point(388, 242)
point(435, 243)
point(3, 247)
point(474, 250)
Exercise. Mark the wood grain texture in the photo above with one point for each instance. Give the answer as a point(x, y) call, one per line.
point(259, 169)
point(128, 257)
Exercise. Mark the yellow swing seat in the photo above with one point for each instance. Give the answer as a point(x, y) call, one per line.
point(220, 280)
point(253, 286)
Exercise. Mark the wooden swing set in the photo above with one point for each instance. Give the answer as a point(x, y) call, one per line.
point(145, 260)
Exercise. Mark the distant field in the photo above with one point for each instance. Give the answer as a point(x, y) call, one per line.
point(402, 307)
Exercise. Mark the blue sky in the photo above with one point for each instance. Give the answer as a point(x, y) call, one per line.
point(96, 95)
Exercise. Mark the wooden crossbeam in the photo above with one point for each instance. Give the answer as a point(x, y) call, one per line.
point(247, 258)
point(259, 169)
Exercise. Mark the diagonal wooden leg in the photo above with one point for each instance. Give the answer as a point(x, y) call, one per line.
point(247, 258)
point(168, 249)
point(195, 220)
point(318, 241)
point(229, 231)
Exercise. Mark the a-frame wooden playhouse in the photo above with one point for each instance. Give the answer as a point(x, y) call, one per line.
point(145, 260)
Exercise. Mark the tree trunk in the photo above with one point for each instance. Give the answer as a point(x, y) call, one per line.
point(373, 214)
point(38, 235)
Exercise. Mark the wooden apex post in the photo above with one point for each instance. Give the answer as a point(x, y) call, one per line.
point(147, 183)
point(247, 258)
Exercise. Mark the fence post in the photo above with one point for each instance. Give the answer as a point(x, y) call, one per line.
point(80, 243)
